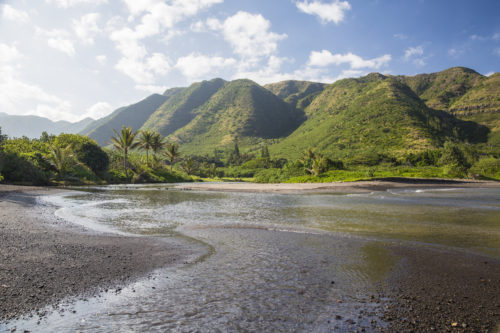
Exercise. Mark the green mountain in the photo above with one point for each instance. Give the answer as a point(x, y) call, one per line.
point(240, 110)
point(178, 110)
point(298, 93)
point(371, 115)
point(33, 126)
point(440, 90)
point(133, 115)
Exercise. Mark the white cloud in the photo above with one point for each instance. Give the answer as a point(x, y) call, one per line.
point(489, 74)
point(157, 17)
point(59, 40)
point(400, 36)
point(8, 54)
point(327, 12)
point(102, 59)
point(326, 58)
point(86, 28)
point(10, 13)
point(248, 34)
point(414, 51)
point(496, 36)
point(21, 98)
point(143, 71)
point(72, 3)
point(98, 110)
point(198, 66)
point(416, 55)
point(497, 51)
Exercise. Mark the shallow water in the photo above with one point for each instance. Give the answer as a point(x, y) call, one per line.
point(278, 262)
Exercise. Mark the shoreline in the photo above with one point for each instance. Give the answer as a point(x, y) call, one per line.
point(45, 259)
point(364, 186)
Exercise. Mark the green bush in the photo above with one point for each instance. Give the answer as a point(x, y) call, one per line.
point(487, 167)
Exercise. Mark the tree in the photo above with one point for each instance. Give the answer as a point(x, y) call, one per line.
point(318, 166)
point(454, 160)
point(189, 166)
point(146, 141)
point(265, 152)
point(124, 142)
point(172, 152)
point(62, 159)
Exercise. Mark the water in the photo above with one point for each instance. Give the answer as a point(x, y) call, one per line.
point(278, 262)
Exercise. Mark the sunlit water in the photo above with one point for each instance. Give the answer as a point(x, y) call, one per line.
point(270, 262)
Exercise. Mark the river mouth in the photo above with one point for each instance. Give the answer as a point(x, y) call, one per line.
point(278, 262)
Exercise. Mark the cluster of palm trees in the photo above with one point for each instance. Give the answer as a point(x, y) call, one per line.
point(146, 140)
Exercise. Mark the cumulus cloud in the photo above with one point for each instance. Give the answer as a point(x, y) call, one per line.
point(10, 13)
point(21, 98)
point(98, 110)
point(155, 17)
point(196, 66)
point(86, 28)
point(327, 12)
point(59, 40)
point(151, 88)
point(248, 34)
point(72, 3)
point(143, 70)
point(326, 58)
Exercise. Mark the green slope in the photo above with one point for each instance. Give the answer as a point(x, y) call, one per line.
point(178, 110)
point(440, 90)
point(373, 114)
point(133, 115)
point(241, 110)
point(298, 93)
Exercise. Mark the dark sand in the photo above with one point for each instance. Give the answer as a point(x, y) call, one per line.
point(44, 259)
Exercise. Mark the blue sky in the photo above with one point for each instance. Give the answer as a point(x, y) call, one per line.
point(70, 59)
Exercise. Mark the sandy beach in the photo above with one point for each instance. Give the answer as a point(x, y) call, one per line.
point(45, 259)
point(340, 187)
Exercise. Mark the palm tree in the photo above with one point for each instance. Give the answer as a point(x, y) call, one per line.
point(173, 153)
point(124, 141)
point(146, 142)
point(61, 159)
point(158, 143)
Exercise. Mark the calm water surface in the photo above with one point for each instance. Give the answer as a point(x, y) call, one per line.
point(268, 262)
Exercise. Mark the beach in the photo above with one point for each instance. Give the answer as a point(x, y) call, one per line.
point(45, 259)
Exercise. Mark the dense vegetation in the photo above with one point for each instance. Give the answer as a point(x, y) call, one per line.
point(444, 124)
point(76, 159)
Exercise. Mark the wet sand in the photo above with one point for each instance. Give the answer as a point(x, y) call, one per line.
point(340, 187)
point(44, 259)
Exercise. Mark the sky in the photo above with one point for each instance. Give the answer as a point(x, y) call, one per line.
point(71, 59)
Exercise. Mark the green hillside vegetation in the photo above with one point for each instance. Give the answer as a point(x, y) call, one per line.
point(440, 90)
point(179, 109)
point(133, 115)
point(358, 119)
point(241, 110)
point(297, 93)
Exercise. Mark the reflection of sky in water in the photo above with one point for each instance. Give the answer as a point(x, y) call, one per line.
point(467, 218)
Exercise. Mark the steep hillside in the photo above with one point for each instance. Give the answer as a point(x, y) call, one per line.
point(440, 90)
point(178, 110)
point(298, 93)
point(33, 126)
point(374, 114)
point(133, 115)
point(240, 110)
point(481, 104)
